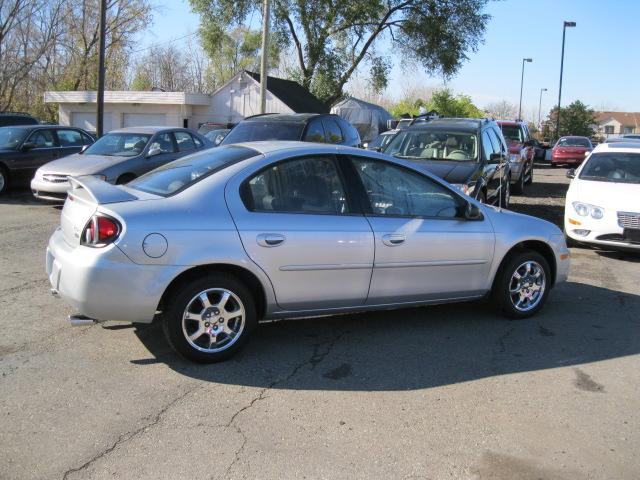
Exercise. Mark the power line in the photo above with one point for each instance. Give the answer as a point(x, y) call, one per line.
point(165, 42)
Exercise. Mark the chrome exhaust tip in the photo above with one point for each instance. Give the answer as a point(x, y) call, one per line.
point(80, 320)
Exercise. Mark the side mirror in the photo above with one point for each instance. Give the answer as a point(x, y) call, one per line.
point(84, 147)
point(571, 173)
point(26, 146)
point(472, 212)
point(495, 158)
point(153, 151)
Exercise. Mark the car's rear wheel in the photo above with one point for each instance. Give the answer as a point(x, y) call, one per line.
point(210, 319)
point(4, 180)
point(518, 187)
point(529, 179)
point(522, 285)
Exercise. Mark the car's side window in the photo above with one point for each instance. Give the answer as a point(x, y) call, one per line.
point(395, 191)
point(43, 139)
point(497, 145)
point(70, 138)
point(315, 132)
point(487, 146)
point(334, 134)
point(185, 141)
point(163, 142)
point(87, 140)
point(197, 141)
point(304, 185)
point(502, 142)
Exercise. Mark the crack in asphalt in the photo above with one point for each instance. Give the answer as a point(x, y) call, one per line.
point(126, 437)
point(316, 358)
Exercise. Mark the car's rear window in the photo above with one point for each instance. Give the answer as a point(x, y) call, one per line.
point(574, 142)
point(256, 131)
point(181, 174)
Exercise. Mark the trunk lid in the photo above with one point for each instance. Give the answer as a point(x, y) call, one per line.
point(82, 202)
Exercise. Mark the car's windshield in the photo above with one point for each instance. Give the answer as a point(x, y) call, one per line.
point(434, 145)
point(10, 138)
point(612, 167)
point(254, 131)
point(381, 140)
point(119, 145)
point(180, 174)
point(573, 142)
point(512, 132)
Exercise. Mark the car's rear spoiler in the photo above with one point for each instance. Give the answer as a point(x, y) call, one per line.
point(92, 189)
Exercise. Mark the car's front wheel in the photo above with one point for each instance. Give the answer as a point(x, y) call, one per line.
point(522, 284)
point(210, 319)
point(4, 180)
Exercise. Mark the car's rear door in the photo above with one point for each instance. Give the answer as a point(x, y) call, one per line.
point(70, 141)
point(424, 247)
point(296, 222)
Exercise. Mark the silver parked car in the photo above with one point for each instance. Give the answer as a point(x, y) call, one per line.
point(118, 157)
point(214, 242)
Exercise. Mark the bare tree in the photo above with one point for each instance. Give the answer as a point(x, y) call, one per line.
point(502, 110)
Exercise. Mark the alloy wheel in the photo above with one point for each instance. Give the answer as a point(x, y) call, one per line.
point(527, 286)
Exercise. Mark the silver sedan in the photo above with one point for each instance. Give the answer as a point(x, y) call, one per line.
point(212, 243)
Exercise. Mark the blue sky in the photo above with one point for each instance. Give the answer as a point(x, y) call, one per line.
point(602, 60)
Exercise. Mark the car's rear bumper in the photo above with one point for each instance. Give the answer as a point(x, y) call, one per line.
point(569, 159)
point(103, 283)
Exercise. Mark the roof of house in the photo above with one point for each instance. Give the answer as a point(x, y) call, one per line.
point(625, 118)
point(293, 95)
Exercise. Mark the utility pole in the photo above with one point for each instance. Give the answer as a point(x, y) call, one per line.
point(263, 56)
point(564, 31)
point(529, 60)
point(101, 52)
point(540, 105)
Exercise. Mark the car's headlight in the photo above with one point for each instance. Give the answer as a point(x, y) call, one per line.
point(584, 209)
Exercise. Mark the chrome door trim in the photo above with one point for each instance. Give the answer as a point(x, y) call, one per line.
point(337, 266)
point(433, 263)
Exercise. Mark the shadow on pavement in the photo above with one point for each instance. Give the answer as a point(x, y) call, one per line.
point(423, 347)
point(23, 196)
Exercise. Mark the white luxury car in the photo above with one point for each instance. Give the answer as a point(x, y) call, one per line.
point(603, 200)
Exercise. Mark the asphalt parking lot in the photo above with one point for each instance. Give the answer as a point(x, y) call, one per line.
point(440, 392)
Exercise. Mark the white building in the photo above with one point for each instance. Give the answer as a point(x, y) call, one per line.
point(612, 124)
point(233, 101)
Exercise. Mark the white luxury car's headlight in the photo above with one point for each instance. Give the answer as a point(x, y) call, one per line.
point(584, 209)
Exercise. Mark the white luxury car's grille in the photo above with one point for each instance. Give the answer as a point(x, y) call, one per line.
point(629, 219)
point(53, 178)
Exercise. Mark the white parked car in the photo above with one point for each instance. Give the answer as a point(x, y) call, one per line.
point(603, 200)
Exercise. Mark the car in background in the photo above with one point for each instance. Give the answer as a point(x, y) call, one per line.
point(8, 119)
point(306, 127)
point(633, 136)
point(521, 153)
point(570, 150)
point(216, 136)
point(25, 148)
point(471, 154)
point(602, 206)
point(212, 243)
point(381, 141)
point(621, 139)
point(539, 149)
point(117, 157)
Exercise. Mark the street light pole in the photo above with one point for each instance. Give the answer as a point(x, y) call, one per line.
point(101, 52)
point(564, 31)
point(529, 60)
point(540, 105)
point(263, 57)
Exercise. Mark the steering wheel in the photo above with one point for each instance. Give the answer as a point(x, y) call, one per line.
point(462, 153)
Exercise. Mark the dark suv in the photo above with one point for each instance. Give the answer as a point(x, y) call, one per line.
point(25, 148)
point(16, 118)
point(469, 153)
point(306, 127)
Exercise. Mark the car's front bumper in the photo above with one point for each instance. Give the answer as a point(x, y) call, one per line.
point(44, 190)
point(605, 232)
point(103, 283)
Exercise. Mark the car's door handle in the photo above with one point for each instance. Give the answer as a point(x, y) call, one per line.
point(393, 239)
point(270, 239)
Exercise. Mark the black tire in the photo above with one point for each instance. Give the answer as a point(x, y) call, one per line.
point(4, 180)
point(181, 299)
point(125, 178)
point(529, 179)
point(506, 194)
point(518, 187)
point(500, 293)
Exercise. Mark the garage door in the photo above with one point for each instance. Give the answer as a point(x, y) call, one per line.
point(144, 119)
point(87, 121)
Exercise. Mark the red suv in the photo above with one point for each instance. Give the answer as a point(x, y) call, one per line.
point(521, 153)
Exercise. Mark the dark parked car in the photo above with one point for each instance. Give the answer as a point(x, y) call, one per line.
point(308, 127)
point(8, 119)
point(25, 148)
point(118, 157)
point(471, 154)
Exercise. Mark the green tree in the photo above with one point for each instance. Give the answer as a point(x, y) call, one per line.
point(332, 39)
point(575, 119)
point(442, 101)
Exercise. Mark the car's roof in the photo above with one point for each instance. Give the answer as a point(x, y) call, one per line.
point(509, 122)
point(284, 117)
point(39, 125)
point(626, 147)
point(574, 136)
point(449, 124)
point(149, 129)
point(269, 146)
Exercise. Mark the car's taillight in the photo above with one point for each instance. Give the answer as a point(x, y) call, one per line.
point(100, 231)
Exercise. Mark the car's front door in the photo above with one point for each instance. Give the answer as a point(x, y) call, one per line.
point(297, 224)
point(425, 248)
point(43, 148)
